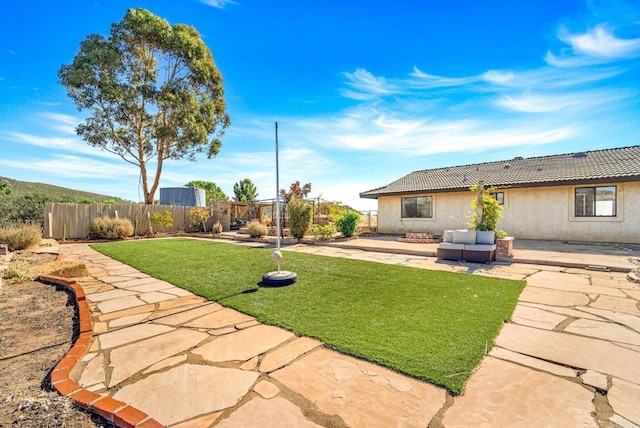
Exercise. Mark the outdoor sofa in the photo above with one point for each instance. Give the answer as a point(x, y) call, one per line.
point(469, 245)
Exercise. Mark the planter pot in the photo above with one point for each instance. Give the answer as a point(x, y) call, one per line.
point(504, 249)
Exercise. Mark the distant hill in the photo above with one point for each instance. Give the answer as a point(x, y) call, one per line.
point(19, 188)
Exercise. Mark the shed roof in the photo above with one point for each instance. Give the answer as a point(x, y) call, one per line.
point(618, 164)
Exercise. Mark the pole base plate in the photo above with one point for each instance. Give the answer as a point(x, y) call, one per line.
point(278, 278)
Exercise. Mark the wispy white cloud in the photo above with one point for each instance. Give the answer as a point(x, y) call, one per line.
point(598, 45)
point(402, 136)
point(60, 122)
point(528, 102)
point(220, 4)
point(425, 80)
point(365, 86)
point(601, 42)
point(69, 144)
point(71, 166)
point(498, 77)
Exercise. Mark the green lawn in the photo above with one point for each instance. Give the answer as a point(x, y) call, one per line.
point(431, 325)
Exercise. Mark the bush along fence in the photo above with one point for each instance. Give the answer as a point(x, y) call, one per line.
point(72, 221)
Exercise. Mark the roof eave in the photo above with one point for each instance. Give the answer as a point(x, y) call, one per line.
point(599, 180)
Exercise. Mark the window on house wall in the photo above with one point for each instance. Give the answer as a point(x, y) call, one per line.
point(596, 201)
point(418, 207)
point(498, 196)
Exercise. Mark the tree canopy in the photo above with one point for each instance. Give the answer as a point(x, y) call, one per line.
point(213, 192)
point(152, 91)
point(296, 191)
point(244, 191)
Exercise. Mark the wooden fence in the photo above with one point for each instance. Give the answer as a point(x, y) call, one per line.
point(71, 221)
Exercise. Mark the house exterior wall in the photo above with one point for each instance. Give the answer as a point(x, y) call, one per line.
point(529, 213)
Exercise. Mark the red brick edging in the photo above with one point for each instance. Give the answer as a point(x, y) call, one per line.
point(118, 412)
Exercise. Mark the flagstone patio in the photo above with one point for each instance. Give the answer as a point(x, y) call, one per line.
point(570, 356)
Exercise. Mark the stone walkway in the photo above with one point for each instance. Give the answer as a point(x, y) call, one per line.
point(569, 357)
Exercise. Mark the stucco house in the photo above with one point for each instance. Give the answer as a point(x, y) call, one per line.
point(586, 196)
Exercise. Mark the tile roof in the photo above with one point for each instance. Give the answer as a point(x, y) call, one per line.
point(592, 166)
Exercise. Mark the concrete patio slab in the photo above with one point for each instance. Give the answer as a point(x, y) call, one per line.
point(535, 363)
point(285, 354)
point(274, 413)
point(595, 379)
point(575, 351)
point(244, 344)
point(128, 360)
point(155, 296)
point(131, 319)
point(201, 389)
point(188, 314)
point(604, 330)
point(116, 305)
point(631, 321)
point(535, 399)
point(535, 317)
point(624, 398)
point(224, 317)
point(266, 389)
point(617, 304)
point(561, 310)
point(361, 393)
point(547, 296)
point(115, 293)
point(131, 334)
point(199, 422)
point(549, 279)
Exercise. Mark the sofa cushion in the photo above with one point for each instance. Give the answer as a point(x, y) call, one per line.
point(485, 237)
point(479, 247)
point(447, 236)
point(464, 236)
point(450, 246)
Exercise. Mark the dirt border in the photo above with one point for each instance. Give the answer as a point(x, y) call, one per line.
point(119, 413)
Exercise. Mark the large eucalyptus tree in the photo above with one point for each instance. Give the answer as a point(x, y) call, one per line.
point(152, 92)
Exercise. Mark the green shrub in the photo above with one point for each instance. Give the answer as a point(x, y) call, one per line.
point(110, 228)
point(198, 216)
point(23, 209)
point(324, 232)
point(162, 221)
point(300, 217)
point(20, 237)
point(14, 275)
point(257, 229)
point(348, 222)
point(85, 201)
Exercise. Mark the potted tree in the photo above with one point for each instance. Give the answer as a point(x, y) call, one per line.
point(486, 213)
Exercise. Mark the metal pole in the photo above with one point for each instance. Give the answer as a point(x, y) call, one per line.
point(277, 197)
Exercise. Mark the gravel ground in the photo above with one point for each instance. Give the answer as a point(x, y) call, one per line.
point(36, 330)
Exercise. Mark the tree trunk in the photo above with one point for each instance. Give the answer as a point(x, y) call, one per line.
point(156, 180)
point(145, 183)
point(480, 205)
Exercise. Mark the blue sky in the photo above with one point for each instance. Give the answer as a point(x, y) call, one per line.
point(364, 92)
